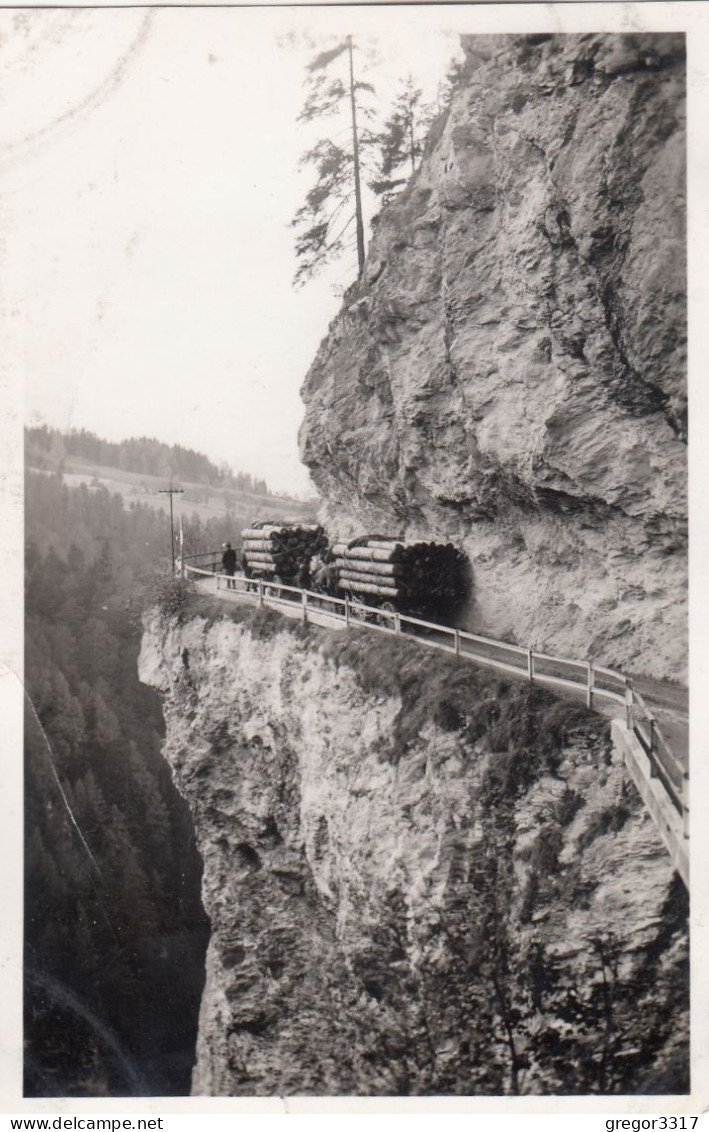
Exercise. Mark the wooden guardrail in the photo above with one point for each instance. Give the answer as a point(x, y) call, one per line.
point(595, 681)
point(209, 559)
point(663, 762)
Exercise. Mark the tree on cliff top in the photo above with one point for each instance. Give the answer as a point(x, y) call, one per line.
point(335, 201)
point(402, 140)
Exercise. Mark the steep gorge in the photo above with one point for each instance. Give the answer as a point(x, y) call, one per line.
point(510, 370)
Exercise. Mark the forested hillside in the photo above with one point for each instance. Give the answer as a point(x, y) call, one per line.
point(115, 933)
point(48, 448)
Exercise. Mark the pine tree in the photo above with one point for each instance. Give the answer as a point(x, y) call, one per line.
point(401, 142)
point(337, 193)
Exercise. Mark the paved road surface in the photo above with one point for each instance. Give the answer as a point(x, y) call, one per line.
point(670, 703)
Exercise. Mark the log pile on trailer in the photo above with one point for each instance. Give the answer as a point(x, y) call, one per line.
point(403, 574)
point(277, 550)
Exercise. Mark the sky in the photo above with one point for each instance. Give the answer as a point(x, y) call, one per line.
point(147, 184)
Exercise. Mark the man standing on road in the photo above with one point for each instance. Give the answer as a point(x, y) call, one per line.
point(229, 564)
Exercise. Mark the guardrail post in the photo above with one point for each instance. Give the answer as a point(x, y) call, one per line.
point(397, 623)
point(589, 686)
point(304, 599)
point(218, 581)
point(653, 747)
point(259, 583)
point(530, 665)
point(456, 641)
point(347, 611)
point(629, 721)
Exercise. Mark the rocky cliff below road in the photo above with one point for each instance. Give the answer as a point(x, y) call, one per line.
point(510, 370)
point(421, 878)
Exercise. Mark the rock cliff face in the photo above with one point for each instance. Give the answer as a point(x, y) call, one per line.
point(510, 370)
point(420, 879)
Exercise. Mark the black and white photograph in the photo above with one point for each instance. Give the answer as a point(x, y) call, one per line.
point(347, 356)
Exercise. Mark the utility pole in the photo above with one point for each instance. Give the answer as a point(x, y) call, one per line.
point(355, 152)
point(171, 491)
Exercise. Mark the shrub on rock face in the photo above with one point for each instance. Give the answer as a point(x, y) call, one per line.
point(172, 597)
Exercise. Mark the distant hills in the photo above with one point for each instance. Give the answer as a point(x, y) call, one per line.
point(138, 468)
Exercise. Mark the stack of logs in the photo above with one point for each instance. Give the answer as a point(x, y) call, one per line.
point(403, 573)
point(278, 549)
